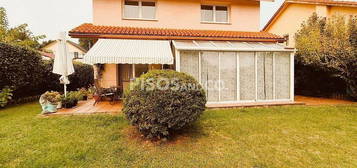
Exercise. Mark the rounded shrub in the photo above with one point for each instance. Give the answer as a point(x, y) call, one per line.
point(163, 101)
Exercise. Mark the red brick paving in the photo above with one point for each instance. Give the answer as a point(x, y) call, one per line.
point(322, 101)
point(86, 107)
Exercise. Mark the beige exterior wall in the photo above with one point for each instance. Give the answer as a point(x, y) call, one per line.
point(183, 14)
point(290, 20)
point(337, 10)
point(53, 47)
point(322, 10)
point(109, 76)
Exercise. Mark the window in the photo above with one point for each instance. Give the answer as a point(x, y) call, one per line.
point(139, 9)
point(141, 69)
point(214, 14)
point(282, 75)
point(265, 75)
point(239, 76)
point(76, 55)
point(247, 75)
point(190, 61)
point(210, 75)
point(228, 76)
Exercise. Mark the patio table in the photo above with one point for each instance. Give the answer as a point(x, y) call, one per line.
point(113, 93)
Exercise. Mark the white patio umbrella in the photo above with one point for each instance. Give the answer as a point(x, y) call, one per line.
point(63, 61)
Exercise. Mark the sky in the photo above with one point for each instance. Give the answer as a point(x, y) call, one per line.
point(49, 17)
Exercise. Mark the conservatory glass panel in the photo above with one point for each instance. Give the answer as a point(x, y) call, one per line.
point(189, 63)
point(222, 44)
point(210, 75)
point(228, 76)
point(265, 75)
point(205, 44)
point(282, 75)
point(247, 75)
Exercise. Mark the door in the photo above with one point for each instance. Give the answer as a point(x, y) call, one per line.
point(125, 74)
point(141, 69)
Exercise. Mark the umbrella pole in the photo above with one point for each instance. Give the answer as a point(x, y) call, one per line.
point(65, 90)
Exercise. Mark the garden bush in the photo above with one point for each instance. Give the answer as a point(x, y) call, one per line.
point(163, 101)
point(82, 77)
point(329, 46)
point(5, 96)
point(20, 68)
point(23, 70)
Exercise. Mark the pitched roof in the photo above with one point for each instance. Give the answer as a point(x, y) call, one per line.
point(116, 32)
point(76, 45)
point(312, 2)
point(69, 42)
point(48, 55)
point(326, 2)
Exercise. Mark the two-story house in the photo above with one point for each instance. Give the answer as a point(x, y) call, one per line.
point(218, 42)
point(288, 18)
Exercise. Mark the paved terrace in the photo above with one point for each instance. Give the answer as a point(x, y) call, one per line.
point(86, 107)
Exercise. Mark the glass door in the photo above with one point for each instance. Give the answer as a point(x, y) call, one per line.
point(210, 75)
point(141, 69)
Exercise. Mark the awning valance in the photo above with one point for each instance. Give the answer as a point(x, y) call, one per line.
point(229, 46)
point(120, 51)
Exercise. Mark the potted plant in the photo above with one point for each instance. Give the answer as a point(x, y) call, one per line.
point(69, 101)
point(90, 92)
point(49, 101)
point(84, 93)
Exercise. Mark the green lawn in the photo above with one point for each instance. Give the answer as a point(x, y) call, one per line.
point(323, 136)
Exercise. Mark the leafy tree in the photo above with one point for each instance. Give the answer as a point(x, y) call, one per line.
point(45, 43)
point(19, 35)
point(330, 45)
point(3, 23)
point(87, 43)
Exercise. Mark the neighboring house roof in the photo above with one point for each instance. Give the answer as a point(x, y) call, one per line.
point(71, 43)
point(116, 32)
point(77, 45)
point(48, 55)
point(326, 2)
point(312, 2)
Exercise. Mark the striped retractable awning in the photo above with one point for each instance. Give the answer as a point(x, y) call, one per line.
point(120, 51)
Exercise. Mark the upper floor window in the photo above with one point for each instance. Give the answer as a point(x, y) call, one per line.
point(214, 14)
point(139, 9)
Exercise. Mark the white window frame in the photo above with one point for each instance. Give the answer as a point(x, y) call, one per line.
point(140, 10)
point(214, 14)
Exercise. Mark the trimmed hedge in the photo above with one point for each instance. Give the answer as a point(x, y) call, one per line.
point(20, 69)
point(24, 70)
point(314, 81)
point(163, 101)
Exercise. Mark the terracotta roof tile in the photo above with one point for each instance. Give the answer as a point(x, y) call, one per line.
point(328, 2)
point(349, 3)
point(46, 54)
point(94, 31)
